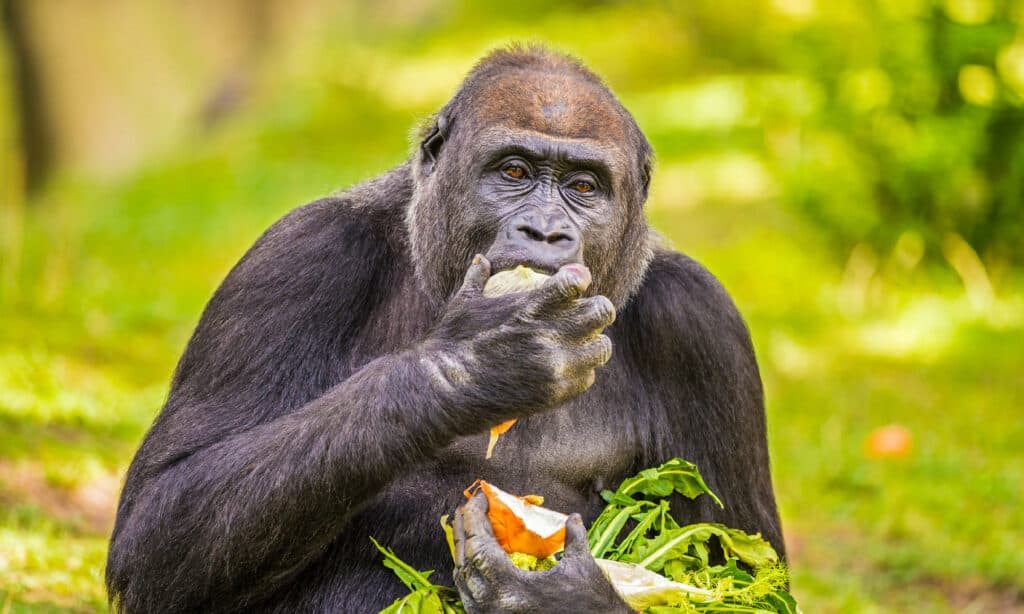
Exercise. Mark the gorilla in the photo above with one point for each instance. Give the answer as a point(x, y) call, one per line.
point(343, 378)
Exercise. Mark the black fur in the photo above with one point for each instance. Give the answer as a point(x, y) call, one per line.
point(309, 412)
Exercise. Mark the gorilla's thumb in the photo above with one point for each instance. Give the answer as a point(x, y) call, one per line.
point(576, 537)
point(476, 277)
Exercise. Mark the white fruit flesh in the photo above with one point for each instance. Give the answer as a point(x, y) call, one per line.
point(641, 588)
point(519, 279)
point(537, 519)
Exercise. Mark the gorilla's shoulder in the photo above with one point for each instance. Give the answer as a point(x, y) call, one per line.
point(680, 299)
point(675, 281)
point(333, 250)
point(362, 224)
point(315, 274)
point(373, 210)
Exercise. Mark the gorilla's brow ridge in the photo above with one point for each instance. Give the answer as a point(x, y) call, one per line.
point(596, 153)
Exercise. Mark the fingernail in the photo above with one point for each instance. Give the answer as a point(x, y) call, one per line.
point(580, 272)
point(477, 259)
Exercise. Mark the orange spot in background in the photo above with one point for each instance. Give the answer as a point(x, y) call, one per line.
point(890, 441)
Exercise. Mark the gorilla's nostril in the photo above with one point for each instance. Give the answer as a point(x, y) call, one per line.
point(531, 232)
point(556, 238)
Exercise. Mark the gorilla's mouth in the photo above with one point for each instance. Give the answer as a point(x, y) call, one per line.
point(544, 270)
point(501, 264)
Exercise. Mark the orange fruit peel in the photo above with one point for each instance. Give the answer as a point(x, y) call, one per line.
point(520, 523)
point(495, 433)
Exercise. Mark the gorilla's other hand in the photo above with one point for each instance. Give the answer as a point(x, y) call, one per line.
point(510, 356)
point(489, 582)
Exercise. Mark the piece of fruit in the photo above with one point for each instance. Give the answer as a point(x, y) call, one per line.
point(641, 588)
point(890, 441)
point(495, 433)
point(519, 279)
point(520, 523)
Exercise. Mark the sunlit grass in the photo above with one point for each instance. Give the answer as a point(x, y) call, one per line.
point(44, 563)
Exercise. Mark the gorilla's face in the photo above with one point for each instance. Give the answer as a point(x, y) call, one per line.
point(534, 169)
point(548, 202)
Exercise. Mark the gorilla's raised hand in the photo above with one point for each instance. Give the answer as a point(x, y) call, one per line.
point(489, 582)
point(514, 355)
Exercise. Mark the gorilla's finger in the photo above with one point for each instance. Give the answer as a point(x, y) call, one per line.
point(477, 529)
point(569, 283)
point(471, 587)
point(592, 316)
point(459, 534)
point(576, 545)
point(474, 515)
point(481, 547)
point(476, 277)
point(591, 355)
point(575, 384)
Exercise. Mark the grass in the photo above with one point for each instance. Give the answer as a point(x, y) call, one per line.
point(111, 277)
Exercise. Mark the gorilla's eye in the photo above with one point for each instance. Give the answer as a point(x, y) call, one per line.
point(515, 171)
point(583, 187)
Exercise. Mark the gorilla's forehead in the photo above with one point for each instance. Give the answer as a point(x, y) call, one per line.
point(554, 104)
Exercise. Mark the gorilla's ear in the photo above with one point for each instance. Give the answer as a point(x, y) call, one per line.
point(645, 175)
point(430, 146)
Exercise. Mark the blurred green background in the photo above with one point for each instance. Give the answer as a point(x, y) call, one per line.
point(852, 171)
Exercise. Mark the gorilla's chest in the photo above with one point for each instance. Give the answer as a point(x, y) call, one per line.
point(567, 455)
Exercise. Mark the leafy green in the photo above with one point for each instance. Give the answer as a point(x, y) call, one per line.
point(425, 597)
point(676, 475)
point(676, 543)
point(655, 541)
point(528, 562)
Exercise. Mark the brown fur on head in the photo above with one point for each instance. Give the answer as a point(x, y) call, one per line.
point(514, 92)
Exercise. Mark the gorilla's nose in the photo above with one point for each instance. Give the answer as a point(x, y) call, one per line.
point(551, 235)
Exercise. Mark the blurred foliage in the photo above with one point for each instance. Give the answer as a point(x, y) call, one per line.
point(919, 126)
point(850, 170)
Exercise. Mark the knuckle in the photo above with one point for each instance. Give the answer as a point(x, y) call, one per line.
point(605, 309)
point(556, 363)
point(568, 286)
point(477, 588)
point(588, 379)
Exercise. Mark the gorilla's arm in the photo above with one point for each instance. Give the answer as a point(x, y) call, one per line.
point(256, 462)
point(688, 336)
point(273, 435)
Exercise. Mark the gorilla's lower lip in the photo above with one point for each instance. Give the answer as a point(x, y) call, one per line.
point(536, 269)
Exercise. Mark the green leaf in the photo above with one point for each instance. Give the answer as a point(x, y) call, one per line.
point(669, 545)
point(413, 579)
point(676, 475)
point(782, 602)
point(751, 549)
point(422, 601)
point(608, 529)
point(644, 523)
point(449, 535)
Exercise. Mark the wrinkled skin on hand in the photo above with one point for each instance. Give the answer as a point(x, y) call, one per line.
point(509, 356)
point(488, 581)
